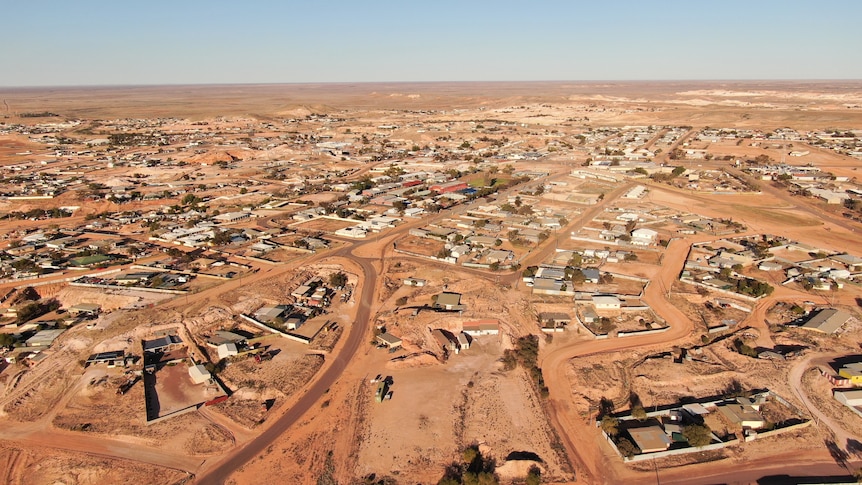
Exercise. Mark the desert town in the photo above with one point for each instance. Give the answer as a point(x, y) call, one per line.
point(385, 284)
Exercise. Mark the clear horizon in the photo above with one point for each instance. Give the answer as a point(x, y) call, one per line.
point(158, 43)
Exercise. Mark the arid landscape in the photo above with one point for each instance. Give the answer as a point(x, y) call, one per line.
point(423, 283)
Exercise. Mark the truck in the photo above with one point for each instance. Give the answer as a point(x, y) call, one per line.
point(382, 387)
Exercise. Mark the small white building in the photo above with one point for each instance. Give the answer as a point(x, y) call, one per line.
point(226, 350)
point(606, 302)
point(644, 233)
point(199, 374)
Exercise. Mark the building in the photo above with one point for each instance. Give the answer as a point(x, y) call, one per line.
point(852, 372)
point(269, 313)
point(650, 439)
point(414, 282)
point(445, 339)
point(232, 217)
point(644, 233)
point(226, 350)
point(554, 321)
point(44, 338)
point(112, 358)
point(162, 344)
point(851, 398)
point(389, 340)
point(448, 187)
point(354, 232)
point(463, 341)
point(85, 309)
point(449, 301)
point(482, 327)
point(742, 414)
point(828, 320)
point(199, 374)
point(606, 302)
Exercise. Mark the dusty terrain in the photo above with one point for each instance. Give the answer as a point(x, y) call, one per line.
point(337, 433)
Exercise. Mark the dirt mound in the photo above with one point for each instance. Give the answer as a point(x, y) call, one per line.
point(20, 295)
point(514, 469)
point(217, 156)
point(421, 359)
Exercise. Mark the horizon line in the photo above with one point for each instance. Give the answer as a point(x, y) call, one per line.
point(536, 81)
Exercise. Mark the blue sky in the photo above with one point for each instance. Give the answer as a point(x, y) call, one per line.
point(95, 42)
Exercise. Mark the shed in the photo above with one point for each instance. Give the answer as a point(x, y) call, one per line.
point(199, 374)
point(463, 341)
point(226, 350)
point(389, 340)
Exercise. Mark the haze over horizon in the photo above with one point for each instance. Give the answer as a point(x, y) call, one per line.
point(99, 43)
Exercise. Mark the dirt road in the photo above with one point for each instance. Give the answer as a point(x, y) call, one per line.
point(222, 470)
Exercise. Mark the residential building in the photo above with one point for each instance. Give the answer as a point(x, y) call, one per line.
point(828, 320)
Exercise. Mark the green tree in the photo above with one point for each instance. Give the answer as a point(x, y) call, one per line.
point(697, 435)
point(6, 340)
point(534, 476)
point(610, 425)
point(639, 413)
point(338, 280)
point(627, 448)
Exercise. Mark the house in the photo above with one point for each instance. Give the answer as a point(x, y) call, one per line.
point(828, 320)
point(269, 313)
point(554, 321)
point(852, 398)
point(644, 233)
point(650, 439)
point(499, 256)
point(232, 217)
point(199, 374)
point(591, 275)
point(85, 309)
point(449, 344)
point(742, 414)
point(770, 266)
point(606, 302)
point(853, 263)
point(111, 358)
point(354, 232)
point(44, 338)
point(589, 315)
point(224, 337)
point(161, 344)
point(414, 282)
point(448, 187)
point(389, 340)
point(449, 301)
point(482, 327)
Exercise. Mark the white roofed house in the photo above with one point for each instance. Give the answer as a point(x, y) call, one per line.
point(606, 302)
point(645, 233)
point(232, 217)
